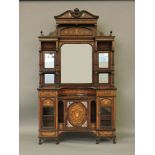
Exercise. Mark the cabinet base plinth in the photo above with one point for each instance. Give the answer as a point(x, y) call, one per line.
point(98, 138)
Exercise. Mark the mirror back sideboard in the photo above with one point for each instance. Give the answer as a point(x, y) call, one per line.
point(74, 102)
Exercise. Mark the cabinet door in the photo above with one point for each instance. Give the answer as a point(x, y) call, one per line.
point(106, 113)
point(77, 114)
point(48, 113)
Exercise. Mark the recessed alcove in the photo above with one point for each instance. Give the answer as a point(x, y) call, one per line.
point(60, 112)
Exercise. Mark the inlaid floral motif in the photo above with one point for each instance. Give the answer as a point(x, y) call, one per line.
point(106, 102)
point(77, 114)
point(77, 31)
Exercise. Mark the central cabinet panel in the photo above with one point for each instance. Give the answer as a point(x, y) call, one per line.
point(77, 106)
point(77, 113)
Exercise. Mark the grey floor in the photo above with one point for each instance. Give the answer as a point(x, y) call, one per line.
point(76, 144)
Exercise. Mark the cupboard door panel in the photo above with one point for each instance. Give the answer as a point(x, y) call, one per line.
point(76, 114)
point(106, 114)
point(48, 113)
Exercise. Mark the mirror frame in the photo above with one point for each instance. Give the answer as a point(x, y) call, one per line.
point(49, 52)
point(107, 79)
point(48, 84)
point(45, 78)
point(86, 59)
point(103, 52)
point(50, 64)
point(92, 44)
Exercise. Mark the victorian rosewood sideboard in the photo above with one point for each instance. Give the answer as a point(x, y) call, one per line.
point(76, 107)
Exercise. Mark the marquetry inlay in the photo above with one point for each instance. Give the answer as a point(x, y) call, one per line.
point(77, 114)
point(105, 133)
point(76, 31)
point(47, 133)
point(106, 93)
point(48, 102)
point(105, 102)
point(47, 93)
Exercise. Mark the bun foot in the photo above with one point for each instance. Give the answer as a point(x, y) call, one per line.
point(114, 140)
point(97, 140)
point(57, 141)
point(40, 141)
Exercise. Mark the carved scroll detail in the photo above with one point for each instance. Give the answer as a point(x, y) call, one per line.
point(76, 13)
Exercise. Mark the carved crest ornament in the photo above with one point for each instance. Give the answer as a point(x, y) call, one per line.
point(76, 14)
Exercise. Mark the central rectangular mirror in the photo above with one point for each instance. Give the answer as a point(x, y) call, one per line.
point(76, 63)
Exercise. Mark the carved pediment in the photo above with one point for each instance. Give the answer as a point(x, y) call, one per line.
point(76, 14)
point(70, 15)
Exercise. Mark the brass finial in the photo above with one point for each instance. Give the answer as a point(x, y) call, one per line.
point(41, 32)
point(110, 33)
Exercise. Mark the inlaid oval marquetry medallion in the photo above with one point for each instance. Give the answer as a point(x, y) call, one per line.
point(77, 114)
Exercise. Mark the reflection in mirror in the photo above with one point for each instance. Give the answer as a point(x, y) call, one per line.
point(103, 78)
point(103, 60)
point(76, 63)
point(49, 60)
point(49, 78)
